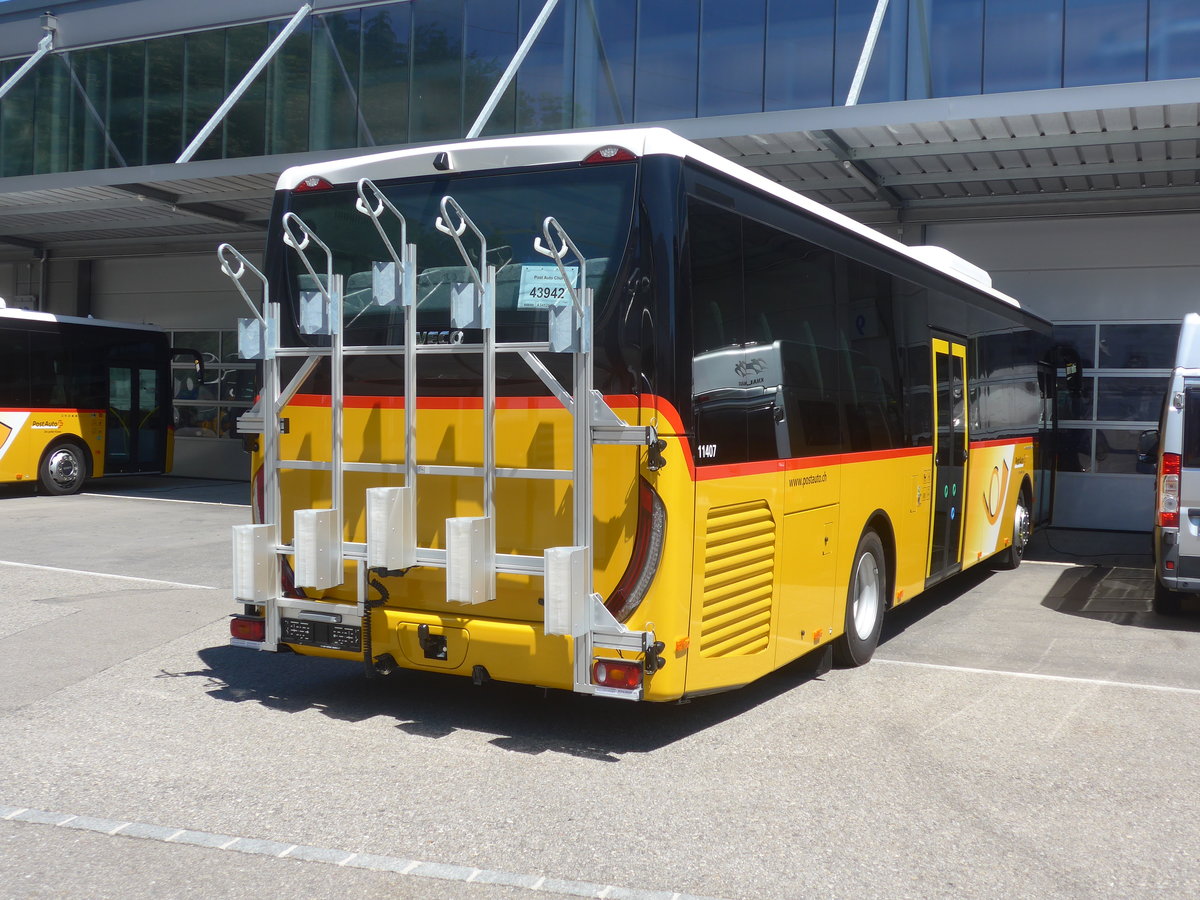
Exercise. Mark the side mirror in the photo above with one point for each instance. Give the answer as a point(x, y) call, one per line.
point(1147, 447)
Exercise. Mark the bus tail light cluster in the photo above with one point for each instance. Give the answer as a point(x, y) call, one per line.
point(617, 673)
point(647, 553)
point(312, 183)
point(1168, 491)
point(248, 628)
point(608, 154)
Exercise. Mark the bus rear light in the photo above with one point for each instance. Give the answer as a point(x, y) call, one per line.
point(608, 154)
point(312, 183)
point(247, 628)
point(1168, 490)
point(617, 673)
point(647, 553)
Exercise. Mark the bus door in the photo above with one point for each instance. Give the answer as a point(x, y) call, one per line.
point(135, 437)
point(949, 457)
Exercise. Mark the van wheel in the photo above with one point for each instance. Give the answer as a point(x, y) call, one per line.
point(1022, 531)
point(866, 598)
point(62, 470)
point(1166, 602)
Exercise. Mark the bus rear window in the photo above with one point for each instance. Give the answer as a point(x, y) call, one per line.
point(593, 205)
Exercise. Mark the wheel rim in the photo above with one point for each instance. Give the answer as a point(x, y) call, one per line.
point(1022, 528)
point(865, 609)
point(64, 468)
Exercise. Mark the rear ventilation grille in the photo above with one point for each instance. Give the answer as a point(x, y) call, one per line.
point(739, 579)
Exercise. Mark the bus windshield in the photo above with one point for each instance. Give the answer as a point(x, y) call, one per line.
point(594, 205)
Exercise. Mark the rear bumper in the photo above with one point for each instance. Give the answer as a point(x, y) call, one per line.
point(1175, 570)
point(512, 651)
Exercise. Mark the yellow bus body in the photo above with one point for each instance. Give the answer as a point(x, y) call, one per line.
point(756, 561)
point(26, 433)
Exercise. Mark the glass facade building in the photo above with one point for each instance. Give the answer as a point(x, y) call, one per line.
point(420, 70)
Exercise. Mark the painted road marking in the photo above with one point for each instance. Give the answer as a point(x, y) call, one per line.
point(410, 868)
point(177, 584)
point(166, 499)
point(1036, 676)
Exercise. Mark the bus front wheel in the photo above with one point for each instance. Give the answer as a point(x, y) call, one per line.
point(866, 597)
point(1011, 557)
point(63, 469)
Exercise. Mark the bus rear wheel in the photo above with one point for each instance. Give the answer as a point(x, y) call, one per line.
point(63, 469)
point(866, 598)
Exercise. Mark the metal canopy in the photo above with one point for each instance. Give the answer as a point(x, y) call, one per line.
point(73, 220)
point(1117, 149)
point(1079, 151)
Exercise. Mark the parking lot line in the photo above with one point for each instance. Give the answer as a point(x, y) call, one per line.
point(163, 499)
point(178, 584)
point(410, 868)
point(1038, 676)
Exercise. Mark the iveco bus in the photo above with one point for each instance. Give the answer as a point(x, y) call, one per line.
point(608, 412)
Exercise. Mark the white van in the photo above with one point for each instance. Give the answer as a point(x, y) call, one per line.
point(1175, 449)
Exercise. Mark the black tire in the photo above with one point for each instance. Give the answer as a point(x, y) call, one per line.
point(63, 469)
point(866, 599)
point(1166, 602)
point(1022, 531)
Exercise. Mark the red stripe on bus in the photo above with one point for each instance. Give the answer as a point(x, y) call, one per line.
point(468, 403)
point(1002, 442)
point(665, 414)
point(734, 470)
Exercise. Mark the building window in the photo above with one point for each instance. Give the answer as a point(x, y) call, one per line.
point(421, 70)
point(209, 407)
point(1126, 368)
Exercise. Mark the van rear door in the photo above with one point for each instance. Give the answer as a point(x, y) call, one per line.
point(1189, 483)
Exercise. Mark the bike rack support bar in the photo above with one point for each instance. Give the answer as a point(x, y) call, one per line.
point(331, 293)
point(406, 264)
point(235, 265)
point(484, 278)
point(224, 252)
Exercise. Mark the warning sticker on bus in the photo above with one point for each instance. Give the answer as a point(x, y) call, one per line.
point(543, 286)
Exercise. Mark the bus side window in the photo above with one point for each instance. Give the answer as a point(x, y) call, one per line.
point(790, 290)
point(14, 374)
point(715, 240)
point(47, 381)
point(722, 406)
point(870, 392)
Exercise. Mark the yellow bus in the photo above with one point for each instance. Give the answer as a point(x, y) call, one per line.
point(608, 413)
point(81, 398)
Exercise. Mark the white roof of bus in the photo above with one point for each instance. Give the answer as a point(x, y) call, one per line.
point(30, 316)
point(573, 146)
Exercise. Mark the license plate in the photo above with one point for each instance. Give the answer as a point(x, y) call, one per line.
point(322, 634)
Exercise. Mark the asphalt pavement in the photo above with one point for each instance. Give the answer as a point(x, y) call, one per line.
point(1019, 734)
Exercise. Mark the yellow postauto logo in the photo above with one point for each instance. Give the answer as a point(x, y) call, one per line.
point(994, 493)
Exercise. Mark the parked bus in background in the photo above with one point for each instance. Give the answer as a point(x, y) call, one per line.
point(81, 398)
point(797, 423)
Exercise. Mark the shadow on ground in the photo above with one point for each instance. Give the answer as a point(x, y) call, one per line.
point(523, 719)
point(533, 720)
point(1117, 594)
